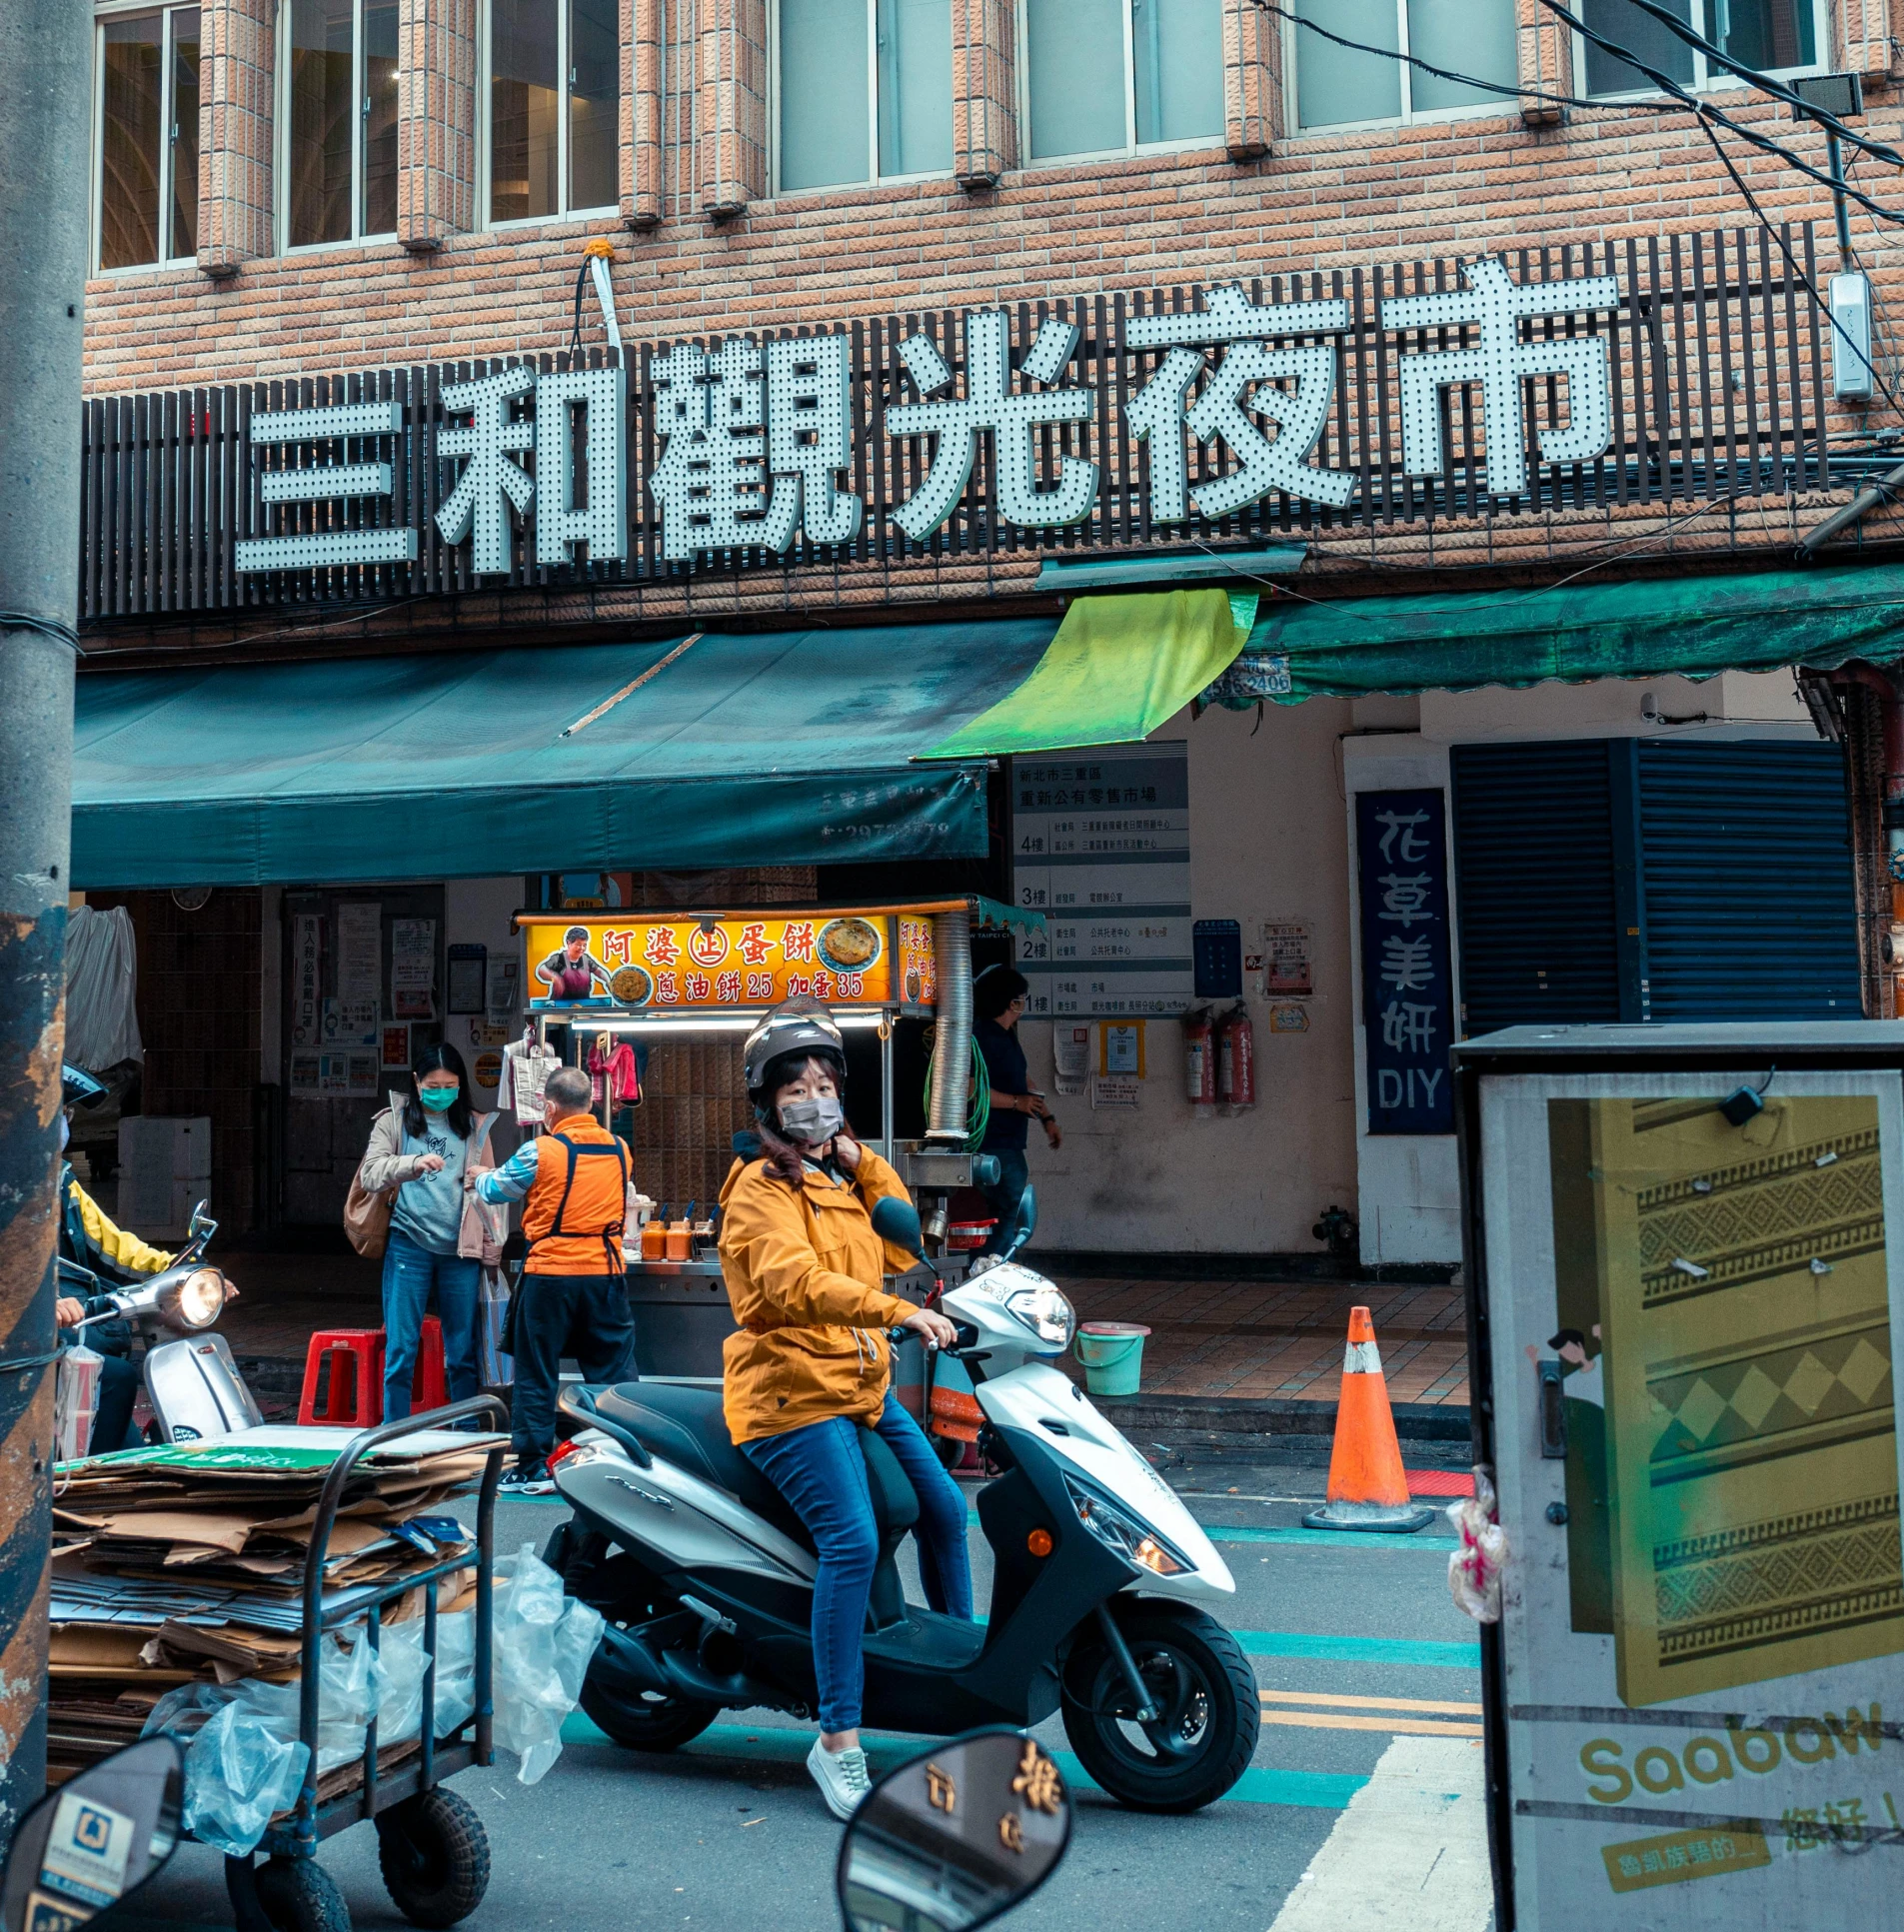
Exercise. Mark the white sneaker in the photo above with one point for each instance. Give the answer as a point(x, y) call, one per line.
point(840, 1776)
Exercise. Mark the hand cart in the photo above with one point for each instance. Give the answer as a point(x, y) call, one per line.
point(431, 1848)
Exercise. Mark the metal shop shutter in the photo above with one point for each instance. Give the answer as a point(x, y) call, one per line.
point(1746, 857)
point(1534, 877)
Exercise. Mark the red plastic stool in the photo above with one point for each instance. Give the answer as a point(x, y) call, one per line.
point(354, 1396)
point(430, 1385)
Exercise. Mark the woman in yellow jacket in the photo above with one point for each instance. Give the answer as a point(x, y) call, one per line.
point(810, 1361)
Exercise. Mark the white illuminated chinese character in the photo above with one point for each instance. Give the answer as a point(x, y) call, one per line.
point(327, 482)
point(1404, 900)
point(602, 524)
point(1247, 382)
point(1401, 826)
point(753, 442)
point(990, 404)
point(1407, 1028)
point(1406, 965)
point(490, 481)
point(1498, 364)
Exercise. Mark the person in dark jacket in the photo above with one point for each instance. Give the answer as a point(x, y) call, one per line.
point(997, 1003)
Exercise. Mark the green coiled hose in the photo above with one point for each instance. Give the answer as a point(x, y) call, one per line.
point(977, 1100)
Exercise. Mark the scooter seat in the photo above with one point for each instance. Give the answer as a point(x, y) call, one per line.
point(685, 1426)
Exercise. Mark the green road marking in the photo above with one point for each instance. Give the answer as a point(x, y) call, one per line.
point(777, 1745)
point(1336, 1538)
point(1362, 1650)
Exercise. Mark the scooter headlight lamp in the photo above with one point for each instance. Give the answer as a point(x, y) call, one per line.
point(1124, 1534)
point(197, 1302)
point(1045, 1311)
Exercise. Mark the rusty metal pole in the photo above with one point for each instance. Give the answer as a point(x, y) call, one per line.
point(45, 97)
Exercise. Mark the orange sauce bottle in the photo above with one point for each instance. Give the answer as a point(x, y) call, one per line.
point(654, 1234)
point(680, 1240)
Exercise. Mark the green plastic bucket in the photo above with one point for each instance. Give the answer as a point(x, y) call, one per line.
point(1112, 1354)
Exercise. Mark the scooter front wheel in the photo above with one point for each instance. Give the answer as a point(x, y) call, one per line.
point(1203, 1690)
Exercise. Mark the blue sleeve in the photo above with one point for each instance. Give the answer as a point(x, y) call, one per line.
point(513, 1180)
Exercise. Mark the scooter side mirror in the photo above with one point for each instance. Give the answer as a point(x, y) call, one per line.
point(955, 1838)
point(1024, 1222)
point(202, 1227)
point(91, 1844)
point(898, 1221)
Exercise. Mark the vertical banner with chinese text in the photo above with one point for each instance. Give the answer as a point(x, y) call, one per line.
point(1407, 975)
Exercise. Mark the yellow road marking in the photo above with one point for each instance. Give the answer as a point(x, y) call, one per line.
point(1367, 1704)
point(1395, 1726)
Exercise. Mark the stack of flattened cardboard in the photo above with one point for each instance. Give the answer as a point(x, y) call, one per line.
point(188, 1562)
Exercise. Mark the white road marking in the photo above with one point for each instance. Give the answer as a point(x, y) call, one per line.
point(1411, 1852)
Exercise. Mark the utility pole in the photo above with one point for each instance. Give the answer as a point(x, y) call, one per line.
point(45, 103)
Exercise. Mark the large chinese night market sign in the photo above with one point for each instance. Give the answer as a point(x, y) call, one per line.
point(1557, 380)
point(633, 964)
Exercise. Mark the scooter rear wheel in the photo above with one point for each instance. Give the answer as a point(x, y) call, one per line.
point(663, 1726)
point(1202, 1688)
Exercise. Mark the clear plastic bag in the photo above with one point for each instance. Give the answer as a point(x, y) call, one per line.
point(543, 1644)
point(456, 1671)
point(1474, 1570)
point(75, 1401)
point(239, 1772)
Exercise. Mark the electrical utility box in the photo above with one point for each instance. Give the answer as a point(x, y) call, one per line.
point(1685, 1254)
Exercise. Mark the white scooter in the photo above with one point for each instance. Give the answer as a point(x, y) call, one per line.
point(706, 1575)
point(192, 1383)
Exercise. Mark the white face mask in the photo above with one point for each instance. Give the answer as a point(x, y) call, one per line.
point(810, 1123)
point(66, 1132)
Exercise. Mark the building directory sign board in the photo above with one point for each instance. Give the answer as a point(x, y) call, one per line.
point(1696, 1451)
point(1101, 847)
point(1401, 851)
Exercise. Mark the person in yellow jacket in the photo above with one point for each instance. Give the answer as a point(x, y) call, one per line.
point(810, 1361)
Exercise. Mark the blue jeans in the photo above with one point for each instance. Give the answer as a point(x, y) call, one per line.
point(409, 1272)
point(1015, 1173)
point(820, 1472)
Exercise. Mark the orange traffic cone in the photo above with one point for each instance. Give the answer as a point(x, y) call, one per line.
point(1368, 1489)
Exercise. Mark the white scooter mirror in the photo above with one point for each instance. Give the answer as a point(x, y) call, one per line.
point(88, 1846)
point(1024, 1222)
point(955, 1837)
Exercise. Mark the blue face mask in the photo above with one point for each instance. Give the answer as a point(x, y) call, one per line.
point(438, 1099)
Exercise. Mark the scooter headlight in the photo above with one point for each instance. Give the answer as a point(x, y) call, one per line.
point(1045, 1311)
point(1128, 1535)
point(197, 1302)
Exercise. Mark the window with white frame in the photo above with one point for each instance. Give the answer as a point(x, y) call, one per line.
point(551, 132)
point(862, 91)
point(1107, 76)
point(146, 137)
point(337, 120)
point(1337, 85)
point(1775, 36)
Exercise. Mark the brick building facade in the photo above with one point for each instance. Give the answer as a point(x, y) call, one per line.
point(710, 243)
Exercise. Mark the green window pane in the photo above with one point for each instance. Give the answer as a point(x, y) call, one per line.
point(1466, 37)
point(1336, 84)
point(1630, 27)
point(1077, 85)
point(379, 117)
point(915, 119)
point(525, 109)
point(323, 122)
point(824, 109)
point(131, 134)
point(595, 101)
point(184, 131)
point(1176, 49)
point(1765, 33)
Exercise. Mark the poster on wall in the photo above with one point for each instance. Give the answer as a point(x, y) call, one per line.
point(413, 968)
point(306, 978)
point(360, 944)
point(1287, 971)
point(1703, 1637)
point(335, 1073)
point(1401, 854)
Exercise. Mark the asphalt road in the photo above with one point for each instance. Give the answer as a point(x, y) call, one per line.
point(1355, 1644)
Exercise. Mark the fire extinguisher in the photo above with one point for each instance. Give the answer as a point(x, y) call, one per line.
point(1237, 1059)
point(1200, 1058)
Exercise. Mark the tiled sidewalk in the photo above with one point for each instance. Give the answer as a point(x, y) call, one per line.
point(1282, 1341)
point(1251, 1341)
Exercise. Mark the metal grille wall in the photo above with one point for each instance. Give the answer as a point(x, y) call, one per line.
point(1618, 879)
point(1534, 885)
point(1750, 907)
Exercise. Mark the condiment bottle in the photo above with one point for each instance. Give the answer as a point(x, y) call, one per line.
point(655, 1235)
point(681, 1237)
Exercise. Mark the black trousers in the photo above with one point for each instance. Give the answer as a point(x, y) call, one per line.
point(584, 1315)
point(119, 1386)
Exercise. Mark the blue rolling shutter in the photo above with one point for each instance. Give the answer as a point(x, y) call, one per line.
point(1536, 891)
point(1746, 859)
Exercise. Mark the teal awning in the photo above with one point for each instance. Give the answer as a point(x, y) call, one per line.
point(1692, 627)
point(791, 748)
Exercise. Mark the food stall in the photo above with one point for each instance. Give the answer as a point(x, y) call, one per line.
point(682, 990)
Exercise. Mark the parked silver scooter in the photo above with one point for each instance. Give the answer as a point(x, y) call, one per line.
point(192, 1382)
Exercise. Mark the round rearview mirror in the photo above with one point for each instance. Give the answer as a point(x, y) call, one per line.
point(95, 1840)
point(898, 1221)
point(202, 1223)
point(955, 1837)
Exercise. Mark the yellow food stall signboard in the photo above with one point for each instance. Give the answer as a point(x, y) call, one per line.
point(636, 964)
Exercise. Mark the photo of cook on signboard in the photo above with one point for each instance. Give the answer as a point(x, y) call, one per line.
point(572, 972)
point(1703, 1615)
